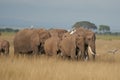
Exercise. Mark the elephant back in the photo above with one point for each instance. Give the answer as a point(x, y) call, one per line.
point(57, 32)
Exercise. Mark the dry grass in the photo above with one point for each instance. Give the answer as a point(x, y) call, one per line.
point(106, 66)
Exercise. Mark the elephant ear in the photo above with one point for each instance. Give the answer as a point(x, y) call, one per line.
point(44, 36)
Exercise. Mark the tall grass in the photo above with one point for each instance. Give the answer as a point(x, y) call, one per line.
point(42, 68)
point(106, 66)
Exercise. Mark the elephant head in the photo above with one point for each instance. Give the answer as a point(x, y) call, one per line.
point(90, 42)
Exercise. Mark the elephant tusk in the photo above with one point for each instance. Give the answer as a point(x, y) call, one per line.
point(91, 50)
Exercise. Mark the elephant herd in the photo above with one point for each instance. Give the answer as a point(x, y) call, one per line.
point(73, 44)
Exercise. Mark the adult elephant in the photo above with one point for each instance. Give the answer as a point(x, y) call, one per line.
point(72, 45)
point(4, 47)
point(51, 46)
point(80, 45)
point(38, 39)
point(68, 46)
point(30, 40)
point(90, 39)
point(79, 42)
point(57, 32)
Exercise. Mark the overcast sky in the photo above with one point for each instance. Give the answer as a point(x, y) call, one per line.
point(60, 13)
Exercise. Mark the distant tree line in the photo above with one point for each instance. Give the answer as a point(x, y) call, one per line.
point(8, 30)
point(101, 29)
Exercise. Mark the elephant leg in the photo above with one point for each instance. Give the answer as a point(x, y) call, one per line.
point(63, 55)
point(35, 50)
point(0, 52)
point(73, 55)
point(79, 55)
point(55, 52)
point(82, 56)
point(86, 55)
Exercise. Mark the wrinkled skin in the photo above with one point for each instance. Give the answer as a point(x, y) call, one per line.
point(68, 46)
point(51, 46)
point(80, 45)
point(4, 47)
point(57, 32)
point(22, 41)
point(38, 39)
point(78, 40)
point(30, 41)
point(90, 39)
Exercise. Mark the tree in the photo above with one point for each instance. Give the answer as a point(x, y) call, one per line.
point(104, 28)
point(85, 24)
point(8, 30)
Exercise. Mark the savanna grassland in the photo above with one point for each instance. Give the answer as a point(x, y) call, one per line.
point(106, 66)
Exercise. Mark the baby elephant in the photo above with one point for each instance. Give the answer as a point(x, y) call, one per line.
point(4, 47)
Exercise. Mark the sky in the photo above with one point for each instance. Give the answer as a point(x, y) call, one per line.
point(60, 13)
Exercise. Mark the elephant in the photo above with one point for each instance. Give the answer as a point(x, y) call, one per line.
point(22, 41)
point(90, 43)
point(79, 42)
point(90, 39)
point(80, 45)
point(51, 46)
point(30, 41)
point(57, 32)
point(4, 46)
point(38, 39)
point(68, 46)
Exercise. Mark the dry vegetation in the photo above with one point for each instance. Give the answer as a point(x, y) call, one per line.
point(106, 66)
